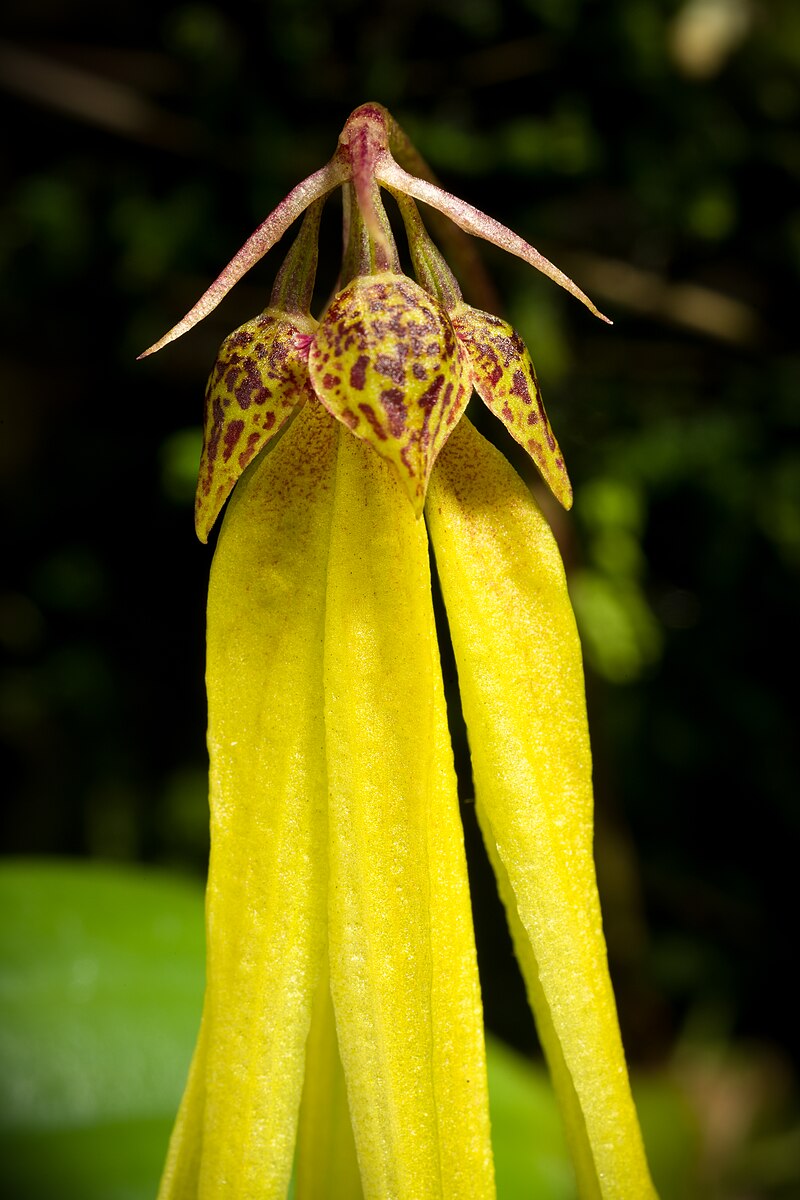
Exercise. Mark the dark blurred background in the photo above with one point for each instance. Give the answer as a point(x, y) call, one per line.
point(649, 147)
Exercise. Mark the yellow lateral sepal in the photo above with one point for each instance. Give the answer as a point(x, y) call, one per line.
point(267, 877)
point(521, 683)
point(402, 956)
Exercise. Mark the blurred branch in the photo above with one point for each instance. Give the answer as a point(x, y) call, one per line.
point(500, 63)
point(92, 98)
point(689, 305)
point(506, 61)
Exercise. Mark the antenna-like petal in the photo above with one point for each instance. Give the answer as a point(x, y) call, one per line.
point(268, 233)
point(473, 221)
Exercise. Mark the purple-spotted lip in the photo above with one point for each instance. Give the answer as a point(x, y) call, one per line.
point(384, 361)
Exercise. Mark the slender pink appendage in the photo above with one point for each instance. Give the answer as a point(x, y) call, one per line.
point(365, 142)
point(257, 245)
point(473, 221)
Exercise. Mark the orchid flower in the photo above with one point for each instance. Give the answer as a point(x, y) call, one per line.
point(342, 1031)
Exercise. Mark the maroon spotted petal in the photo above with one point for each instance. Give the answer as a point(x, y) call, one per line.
point(504, 378)
point(261, 374)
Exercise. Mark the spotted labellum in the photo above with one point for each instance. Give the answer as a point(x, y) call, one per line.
point(342, 1032)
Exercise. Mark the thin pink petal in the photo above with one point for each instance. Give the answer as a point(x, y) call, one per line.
point(473, 221)
point(257, 245)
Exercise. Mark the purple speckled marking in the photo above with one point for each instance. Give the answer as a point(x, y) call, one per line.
point(536, 450)
point(496, 372)
point(394, 405)
point(358, 372)
point(247, 453)
point(241, 338)
point(244, 394)
point(392, 368)
point(233, 432)
point(431, 394)
point(519, 387)
point(369, 413)
point(218, 420)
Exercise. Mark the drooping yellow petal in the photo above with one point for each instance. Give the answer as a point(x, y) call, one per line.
point(402, 957)
point(505, 380)
point(385, 362)
point(326, 1165)
point(259, 377)
point(521, 682)
point(179, 1178)
point(266, 893)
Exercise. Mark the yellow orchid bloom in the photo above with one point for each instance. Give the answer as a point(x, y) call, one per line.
point(342, 1032)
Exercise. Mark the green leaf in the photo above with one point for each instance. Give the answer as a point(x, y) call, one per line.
point(101, 983)
point(530, 1152)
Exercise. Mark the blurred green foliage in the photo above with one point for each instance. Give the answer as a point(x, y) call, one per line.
point(652, 149)
point(102, 977)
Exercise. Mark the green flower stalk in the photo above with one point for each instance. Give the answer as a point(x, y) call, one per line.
point(342, 1029)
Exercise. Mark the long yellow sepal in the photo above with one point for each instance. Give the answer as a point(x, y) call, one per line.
point(402, 957)
point(179, 1179)
point(325, 1165)
point(521, 682)
point(267, 877)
